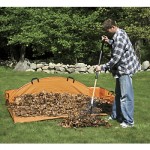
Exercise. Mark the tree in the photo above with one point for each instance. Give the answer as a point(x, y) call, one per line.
point(71, 34)
point(20, 29)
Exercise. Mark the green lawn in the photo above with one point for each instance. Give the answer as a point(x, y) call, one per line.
point(50, 132)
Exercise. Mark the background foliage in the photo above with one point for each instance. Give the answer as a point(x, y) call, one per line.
point(68, 34)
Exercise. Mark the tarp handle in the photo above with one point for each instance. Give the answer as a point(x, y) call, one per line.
point(71, 78)
point(7, 98)
point(7, 95)
point(34, 79)
point(111, 93)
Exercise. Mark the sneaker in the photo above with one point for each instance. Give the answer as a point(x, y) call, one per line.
point(125, 125)
point(110, 118)
point(122, 123)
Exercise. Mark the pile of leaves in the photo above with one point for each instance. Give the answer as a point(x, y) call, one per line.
point(76, 107)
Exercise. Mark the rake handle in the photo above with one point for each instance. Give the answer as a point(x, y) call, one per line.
point(93, 92)
point(96, 77)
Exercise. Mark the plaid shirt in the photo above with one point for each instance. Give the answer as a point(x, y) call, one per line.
point(123, 58)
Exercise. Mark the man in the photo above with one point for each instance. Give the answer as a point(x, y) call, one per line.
point(123, 64)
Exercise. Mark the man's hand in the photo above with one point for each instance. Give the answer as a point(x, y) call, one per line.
point(105, 38)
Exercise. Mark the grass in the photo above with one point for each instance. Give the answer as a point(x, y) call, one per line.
point(49, 131)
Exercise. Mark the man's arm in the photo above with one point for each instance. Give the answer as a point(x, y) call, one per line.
point(118, 46)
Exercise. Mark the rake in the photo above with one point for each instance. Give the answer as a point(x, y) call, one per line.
point(96, 78)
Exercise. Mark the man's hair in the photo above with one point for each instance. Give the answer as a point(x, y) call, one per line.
point(108, 24)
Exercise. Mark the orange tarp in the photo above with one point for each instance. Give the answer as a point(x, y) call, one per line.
point(49, 84)
point(102, 94)
point(55, 85)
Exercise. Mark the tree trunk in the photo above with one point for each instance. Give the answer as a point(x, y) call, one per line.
point(23, 64)
point(137, 47)
point(17, 53)
point(22, 53)
point(12, 57)
point(76, 60)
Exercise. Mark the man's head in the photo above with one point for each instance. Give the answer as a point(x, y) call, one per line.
point(110, 26)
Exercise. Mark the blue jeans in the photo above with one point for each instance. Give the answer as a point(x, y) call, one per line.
point(123, 106)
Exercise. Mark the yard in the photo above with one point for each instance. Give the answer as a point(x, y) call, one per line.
point(51, 133)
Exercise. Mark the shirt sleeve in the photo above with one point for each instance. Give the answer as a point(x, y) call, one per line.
point(110, 42)
point(118, 46)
